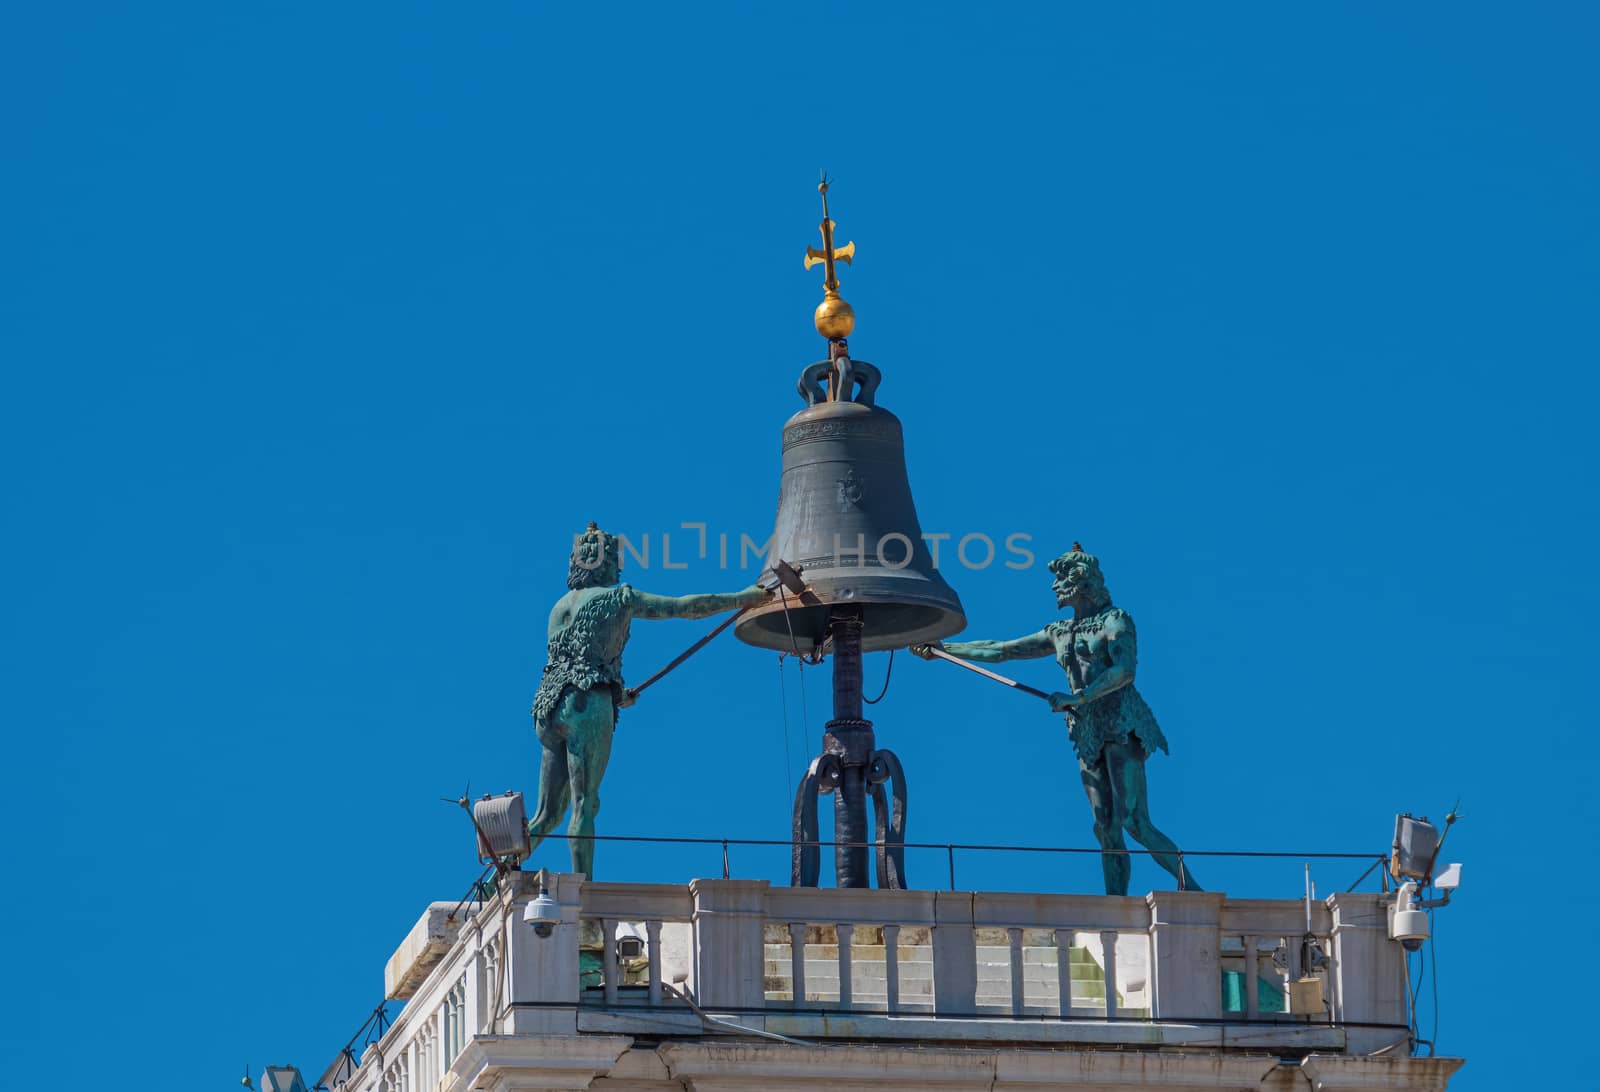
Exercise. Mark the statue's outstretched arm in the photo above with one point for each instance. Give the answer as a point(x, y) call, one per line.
point(1031, 647)
point(646, 605)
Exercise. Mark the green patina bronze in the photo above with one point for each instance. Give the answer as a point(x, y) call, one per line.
point(575, 708)
point(1112, 730)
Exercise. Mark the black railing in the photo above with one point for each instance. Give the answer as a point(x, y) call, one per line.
point(1374, 860)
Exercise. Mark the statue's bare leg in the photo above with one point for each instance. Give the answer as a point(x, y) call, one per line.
point(1108, 825)
point(591, 717)
point(553, 789)
point(1125, 764)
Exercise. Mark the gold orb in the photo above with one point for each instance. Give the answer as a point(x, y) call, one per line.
point(834, 318)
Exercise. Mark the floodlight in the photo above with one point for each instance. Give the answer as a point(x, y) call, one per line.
point(1416, 841)
point(502, 828)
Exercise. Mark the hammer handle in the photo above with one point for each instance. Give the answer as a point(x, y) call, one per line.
point(985, 672)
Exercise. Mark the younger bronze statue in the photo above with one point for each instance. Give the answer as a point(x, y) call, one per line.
point(1111, 727)
point(575, 709)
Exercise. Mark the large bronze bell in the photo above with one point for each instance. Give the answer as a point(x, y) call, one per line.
point(847, 521)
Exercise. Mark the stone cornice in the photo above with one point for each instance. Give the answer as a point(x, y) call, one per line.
point(504, 1063)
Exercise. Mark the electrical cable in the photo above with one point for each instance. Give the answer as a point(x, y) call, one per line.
point(805, 711)
point(783, 691)
point(805, 714)
point(887, 675)
point(1411, 1005)
point(783, 597)
point(729, 1025)
point(1365, 874)
point(500, 979)
point(1433, 967)
point(1097, 851)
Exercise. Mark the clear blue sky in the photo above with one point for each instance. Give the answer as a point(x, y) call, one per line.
point(325, 326)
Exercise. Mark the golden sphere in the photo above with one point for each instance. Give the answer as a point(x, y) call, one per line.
point(834, 318)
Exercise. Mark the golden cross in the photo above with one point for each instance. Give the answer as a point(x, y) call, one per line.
point(828, 254)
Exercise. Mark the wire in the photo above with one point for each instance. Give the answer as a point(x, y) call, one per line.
point(501, 1002)
point(783, 690)
point(729, 1025)
point(805, 712)
point(1365, 874)
point(783, 596)
point(1097, 851)
point(1433, 967)
point(1411, 1005)
point(887, 675)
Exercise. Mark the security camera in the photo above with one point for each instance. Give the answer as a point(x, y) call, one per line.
point(1409, 925)
point(544, 914)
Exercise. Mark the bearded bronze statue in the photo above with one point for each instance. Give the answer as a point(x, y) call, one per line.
point(1112, 730)
point(581, 690)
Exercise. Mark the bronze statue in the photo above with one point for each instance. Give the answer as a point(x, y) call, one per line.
point(1111, 727)
point(575, 709)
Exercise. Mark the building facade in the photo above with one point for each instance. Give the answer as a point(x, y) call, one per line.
point(738, 984)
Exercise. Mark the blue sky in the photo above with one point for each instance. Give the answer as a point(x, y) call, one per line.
point(324, 327)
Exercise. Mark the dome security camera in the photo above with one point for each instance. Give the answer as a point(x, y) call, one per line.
point(1409, 925)
point(544, 914)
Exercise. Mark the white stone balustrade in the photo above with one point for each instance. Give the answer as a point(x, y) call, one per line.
point(814, 964)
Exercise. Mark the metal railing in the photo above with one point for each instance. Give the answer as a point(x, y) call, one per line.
point(1373, 861)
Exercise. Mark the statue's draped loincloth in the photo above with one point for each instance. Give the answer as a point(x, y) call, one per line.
point(1118, 717)
point(585, 654)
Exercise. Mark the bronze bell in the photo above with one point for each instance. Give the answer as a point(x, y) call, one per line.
point(847, 521)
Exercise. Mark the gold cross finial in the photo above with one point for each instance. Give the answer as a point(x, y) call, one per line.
point(834, 317)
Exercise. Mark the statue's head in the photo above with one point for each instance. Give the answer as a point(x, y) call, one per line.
point(1078, 582)
point(596, 561)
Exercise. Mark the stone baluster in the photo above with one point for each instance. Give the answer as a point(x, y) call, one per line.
point(1064, 972)
point(891, 966)
point(797, 963)
point(1252, 976)
point(652, 932)
point(846, 934)
point(1014, 938)
point(1108, 957)
point(608, 960)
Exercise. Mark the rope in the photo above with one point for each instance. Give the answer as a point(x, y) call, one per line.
point(887, 675)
